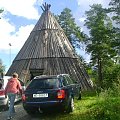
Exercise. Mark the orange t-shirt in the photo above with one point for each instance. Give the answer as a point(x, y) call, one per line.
point(13, 86)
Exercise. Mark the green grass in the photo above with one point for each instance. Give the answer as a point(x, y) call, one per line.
point(90, 108)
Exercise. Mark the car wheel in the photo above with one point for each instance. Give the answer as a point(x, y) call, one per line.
point(70, 107)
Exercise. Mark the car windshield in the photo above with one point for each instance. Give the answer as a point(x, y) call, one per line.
point(49, 83)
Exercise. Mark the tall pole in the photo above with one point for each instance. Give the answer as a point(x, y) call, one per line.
point(10, 52)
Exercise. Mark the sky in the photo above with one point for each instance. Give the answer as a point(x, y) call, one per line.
point(20, 16)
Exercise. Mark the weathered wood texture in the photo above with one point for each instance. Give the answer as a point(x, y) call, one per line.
point(47, 48)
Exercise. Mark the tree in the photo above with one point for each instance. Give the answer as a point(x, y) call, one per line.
point(100, 43)
point(72, 31)
point(1, 11)
point(2, 68)
point(111, 75)
point(115, 8)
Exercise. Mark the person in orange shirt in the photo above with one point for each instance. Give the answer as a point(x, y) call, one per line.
point(12, 88)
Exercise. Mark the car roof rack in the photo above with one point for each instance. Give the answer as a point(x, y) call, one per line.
point(47, 76)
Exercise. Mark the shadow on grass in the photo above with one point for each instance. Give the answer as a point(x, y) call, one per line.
point(60, 116)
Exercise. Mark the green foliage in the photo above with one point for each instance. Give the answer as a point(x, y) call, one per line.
point(115, 7)
point(106, 109)
point(1, 11)
point(2, 67)
point(90, 108)
point(100, 43)
point(72, 31)
point(111, 75)
point(109, 102)
point(113, 91)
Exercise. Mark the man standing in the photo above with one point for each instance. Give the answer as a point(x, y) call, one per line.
point(12, 88)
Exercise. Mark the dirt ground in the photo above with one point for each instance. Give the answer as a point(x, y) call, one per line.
point(20, 114)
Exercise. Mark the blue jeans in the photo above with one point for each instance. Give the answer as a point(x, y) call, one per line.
point(11, 97)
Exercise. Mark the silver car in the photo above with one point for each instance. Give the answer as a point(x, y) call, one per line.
point(4, 101)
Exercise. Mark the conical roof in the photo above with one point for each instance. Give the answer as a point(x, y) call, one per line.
point(48, 51)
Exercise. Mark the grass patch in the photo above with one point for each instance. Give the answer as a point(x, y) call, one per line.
point(90, 108)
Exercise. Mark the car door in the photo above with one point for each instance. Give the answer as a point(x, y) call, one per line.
point(74, 86)
point(67, 86)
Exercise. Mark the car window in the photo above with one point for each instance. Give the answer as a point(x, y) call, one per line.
point(48, 83)
point(69, 80)
point(65, 82)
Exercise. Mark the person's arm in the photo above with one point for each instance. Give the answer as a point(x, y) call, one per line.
point(20, 88)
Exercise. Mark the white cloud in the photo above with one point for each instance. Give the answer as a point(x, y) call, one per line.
point(86, 3)
point(8, 35)
point(82, 19)
point(24, 8)
point(20, 37)
point(5, 29)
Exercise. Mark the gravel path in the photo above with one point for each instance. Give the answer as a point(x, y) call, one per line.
point(20, 114)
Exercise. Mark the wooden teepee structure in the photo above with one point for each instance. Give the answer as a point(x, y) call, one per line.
point(48, 51)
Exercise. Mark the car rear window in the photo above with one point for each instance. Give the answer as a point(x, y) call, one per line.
point(49, 83)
